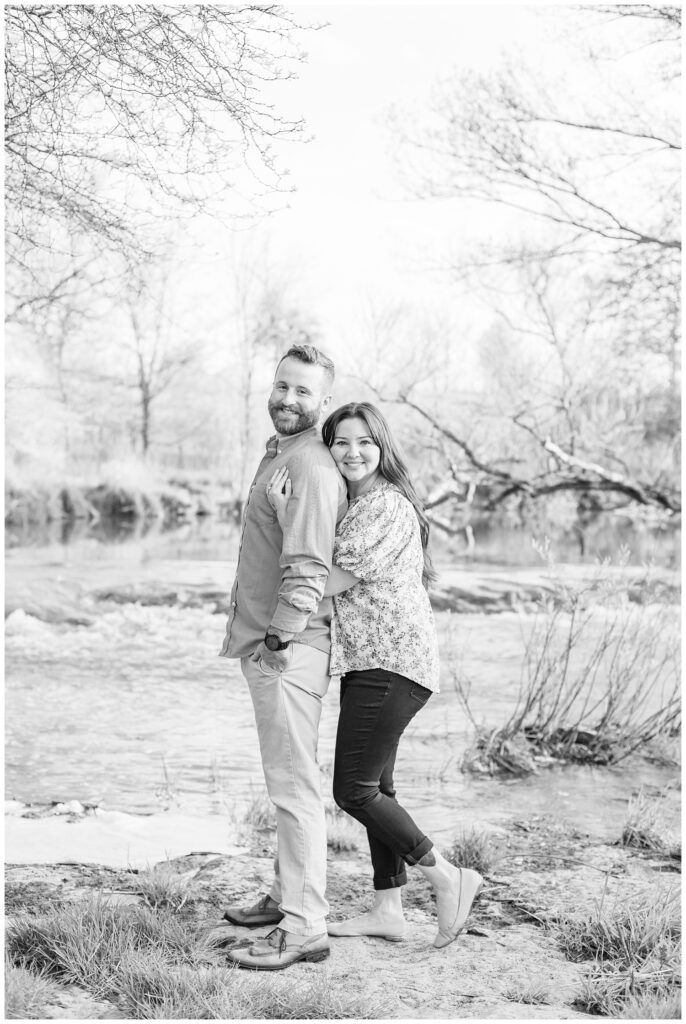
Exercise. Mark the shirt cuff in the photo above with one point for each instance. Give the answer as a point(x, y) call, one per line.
point(289, 619)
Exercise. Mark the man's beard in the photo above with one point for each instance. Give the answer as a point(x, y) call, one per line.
point(293, 424)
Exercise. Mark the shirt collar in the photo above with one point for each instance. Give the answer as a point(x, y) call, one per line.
point(276, 445)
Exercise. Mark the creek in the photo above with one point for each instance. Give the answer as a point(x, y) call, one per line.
point(135, 711)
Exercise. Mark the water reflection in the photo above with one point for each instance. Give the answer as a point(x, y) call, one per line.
point(483, 542)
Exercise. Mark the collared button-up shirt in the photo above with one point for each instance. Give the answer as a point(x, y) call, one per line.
point(280, 577)
point(384, 621)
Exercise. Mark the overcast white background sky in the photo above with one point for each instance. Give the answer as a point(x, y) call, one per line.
point(350, 228)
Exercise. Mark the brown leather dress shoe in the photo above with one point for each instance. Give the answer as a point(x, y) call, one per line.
point(265, 911)
point(275, 952)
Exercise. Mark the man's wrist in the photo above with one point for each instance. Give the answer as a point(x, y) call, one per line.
point(274, 642)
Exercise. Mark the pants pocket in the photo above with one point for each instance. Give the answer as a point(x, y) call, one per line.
point(420, 693)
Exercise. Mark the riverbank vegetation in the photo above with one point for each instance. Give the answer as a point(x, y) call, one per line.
point(599, 681)
point(593, 937)
point(155, 964)
point(634, 949)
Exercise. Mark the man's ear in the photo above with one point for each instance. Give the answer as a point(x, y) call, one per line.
point(326, 402)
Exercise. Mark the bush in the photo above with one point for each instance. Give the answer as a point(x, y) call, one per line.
point(600, 680)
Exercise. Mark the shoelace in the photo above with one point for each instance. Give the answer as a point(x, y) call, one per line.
point(277, 938)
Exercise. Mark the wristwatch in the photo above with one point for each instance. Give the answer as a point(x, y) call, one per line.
point(272, 642)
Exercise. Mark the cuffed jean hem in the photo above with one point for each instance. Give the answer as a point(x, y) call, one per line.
point(295, 926)
point(394, 882)
point(419, 851)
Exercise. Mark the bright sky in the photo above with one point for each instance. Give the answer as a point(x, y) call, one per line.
point(349, 226)
point(350, 232)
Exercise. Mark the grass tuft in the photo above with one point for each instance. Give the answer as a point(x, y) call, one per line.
point(260, 813)
point(635, 952)
point(644, 826)
point(472, 849)
point(533, 993)
point(343, 833)
point(27, 995)
point(162, 888)
point(83, 944)
point(156, 967)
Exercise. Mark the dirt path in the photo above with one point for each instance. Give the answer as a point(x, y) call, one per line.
point(508, 965)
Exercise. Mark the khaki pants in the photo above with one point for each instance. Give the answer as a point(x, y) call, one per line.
point(287, 711)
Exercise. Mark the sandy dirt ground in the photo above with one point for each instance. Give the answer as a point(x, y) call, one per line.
point(508, 964)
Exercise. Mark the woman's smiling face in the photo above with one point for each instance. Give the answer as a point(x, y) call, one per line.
point(356, 454)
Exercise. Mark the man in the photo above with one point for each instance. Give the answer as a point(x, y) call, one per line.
point(279, 627)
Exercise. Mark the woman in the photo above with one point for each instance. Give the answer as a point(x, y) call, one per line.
point(383, 645)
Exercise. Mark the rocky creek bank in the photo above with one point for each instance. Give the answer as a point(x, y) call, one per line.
point(508, 965)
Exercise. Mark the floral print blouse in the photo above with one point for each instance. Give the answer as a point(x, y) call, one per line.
point(384, 621)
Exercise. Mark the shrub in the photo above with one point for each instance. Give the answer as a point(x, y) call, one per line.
point(599, 681)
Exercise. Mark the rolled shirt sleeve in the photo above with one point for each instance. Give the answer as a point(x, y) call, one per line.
point(308, 541)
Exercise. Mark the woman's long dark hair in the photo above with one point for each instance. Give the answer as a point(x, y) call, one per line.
point(392, 465)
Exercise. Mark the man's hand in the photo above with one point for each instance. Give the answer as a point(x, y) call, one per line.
point(275, 660)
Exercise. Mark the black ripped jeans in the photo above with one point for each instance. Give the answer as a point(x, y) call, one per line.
point(376, 708)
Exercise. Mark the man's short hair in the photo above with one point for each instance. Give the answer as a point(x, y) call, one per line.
point(312, 355)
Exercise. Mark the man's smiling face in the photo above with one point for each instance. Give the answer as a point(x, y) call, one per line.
point(299, 396)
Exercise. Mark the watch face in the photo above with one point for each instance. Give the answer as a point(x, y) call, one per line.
point(272, 643)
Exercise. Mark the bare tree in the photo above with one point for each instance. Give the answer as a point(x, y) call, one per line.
point(117, 115)
point(157, 358)
point(582, 278)
point(593, 172)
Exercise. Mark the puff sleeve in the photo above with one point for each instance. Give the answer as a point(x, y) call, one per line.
point(374, 534)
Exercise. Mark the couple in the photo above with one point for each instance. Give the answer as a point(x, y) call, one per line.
point(335, 515)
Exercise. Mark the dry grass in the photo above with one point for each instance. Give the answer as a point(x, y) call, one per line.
point(645, 826)
point(530, 991)
point(260, 813)
point(155, 990)
point(27, 994)
point(153, 966)
point(600, 680)
point(163, 888)
point(343, 833)
point(472, 849)
point(634, 948)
